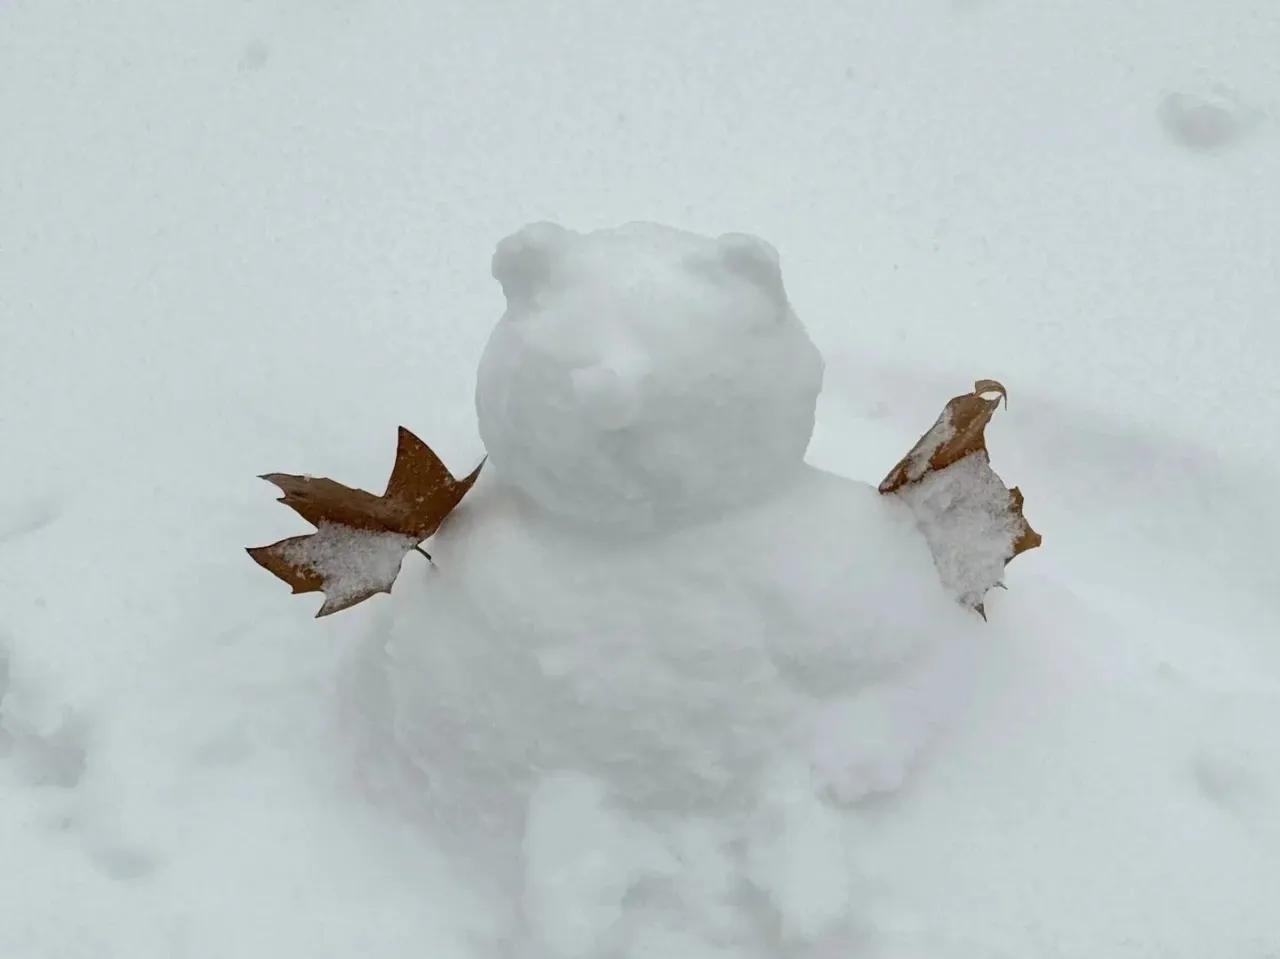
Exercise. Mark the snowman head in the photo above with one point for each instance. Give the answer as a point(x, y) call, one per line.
point(643, 375)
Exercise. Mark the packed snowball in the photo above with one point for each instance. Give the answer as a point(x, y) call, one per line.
point(643, 375)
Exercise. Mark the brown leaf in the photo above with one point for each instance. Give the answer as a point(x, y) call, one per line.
point(973, 523)
point(360, 538)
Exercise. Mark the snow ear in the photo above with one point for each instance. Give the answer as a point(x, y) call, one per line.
point(523, 262)
point(754, 260)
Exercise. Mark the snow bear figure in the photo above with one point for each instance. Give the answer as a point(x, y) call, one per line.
point(644, 376)
point(657, 643)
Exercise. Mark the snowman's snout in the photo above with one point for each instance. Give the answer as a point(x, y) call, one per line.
point(608, 394)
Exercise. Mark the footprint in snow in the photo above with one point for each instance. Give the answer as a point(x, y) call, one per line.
point(24, 519)
point(1230, 785)
point(1207, 121)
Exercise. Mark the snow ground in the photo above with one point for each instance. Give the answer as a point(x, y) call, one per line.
point(237, 238)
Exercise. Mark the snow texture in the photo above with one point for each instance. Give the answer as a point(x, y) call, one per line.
point(939, 433)
point(242, 237)
point(353, 562)
point(678, 673)
point(644, 375)
point(964, 513)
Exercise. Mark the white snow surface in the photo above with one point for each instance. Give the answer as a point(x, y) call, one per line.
point(236, 238)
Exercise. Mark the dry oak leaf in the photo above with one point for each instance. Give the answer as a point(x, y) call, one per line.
point(361, 539)
point(972, 522)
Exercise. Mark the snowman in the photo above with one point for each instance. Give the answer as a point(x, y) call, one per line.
point(661, 658)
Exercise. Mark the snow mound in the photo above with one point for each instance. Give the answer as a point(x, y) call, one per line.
point(658, 644)
point(793, 652)
point(643, 374)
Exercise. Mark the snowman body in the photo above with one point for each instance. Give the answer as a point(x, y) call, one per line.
point(659, 643)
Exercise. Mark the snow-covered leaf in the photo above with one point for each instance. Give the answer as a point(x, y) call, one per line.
point(972, 521)
point(361, 539)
